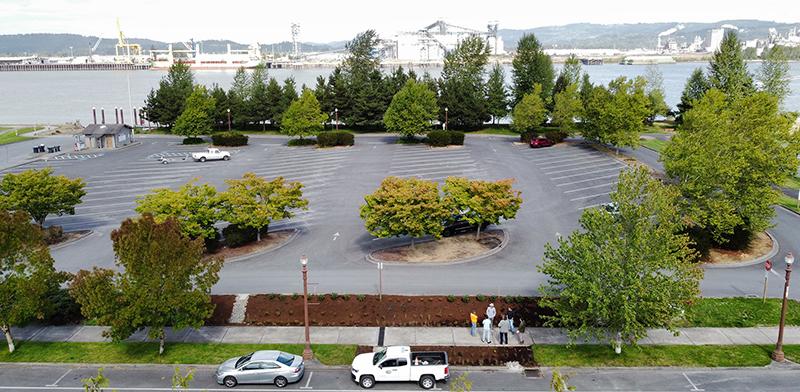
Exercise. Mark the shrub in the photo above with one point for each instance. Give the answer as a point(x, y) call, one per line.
point(345, 138)
point(334, 296)
point(525, 137)
point(320, 297)
point(61, 308)
point(555, 136)
point(236, 236)
point(194, 140)
point(438, 138)
point(456, 138)
point(301, 142)
point(451, 298)
point(465, 299)
point(53, 234)
point(295, 296)
point(231, 139)
point(335, 138)
point(480, 297)
point(346, 297)
point(361, 297)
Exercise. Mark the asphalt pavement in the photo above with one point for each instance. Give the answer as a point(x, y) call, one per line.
point(557, 184)
point(58, 377)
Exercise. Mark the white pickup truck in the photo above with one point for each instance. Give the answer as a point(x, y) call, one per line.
point(399, 363)
point(211, 154)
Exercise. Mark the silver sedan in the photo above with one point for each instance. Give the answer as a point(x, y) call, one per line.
point(261, 367)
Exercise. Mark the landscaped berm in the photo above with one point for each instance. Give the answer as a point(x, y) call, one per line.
point(449, 249)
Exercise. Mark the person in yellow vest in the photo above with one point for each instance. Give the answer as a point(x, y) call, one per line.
point(473, 319)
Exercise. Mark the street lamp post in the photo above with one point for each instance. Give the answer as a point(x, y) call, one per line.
point(307, 353)
point(229, 120)
point(336, 111)
point(777, 355)
point(445, 118)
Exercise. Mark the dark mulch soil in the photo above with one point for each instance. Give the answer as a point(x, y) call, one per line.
point(223, 306)
point(476, 355)
point(393, 311)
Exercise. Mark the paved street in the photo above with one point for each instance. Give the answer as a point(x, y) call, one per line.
point(57, 377)
point(557, 184)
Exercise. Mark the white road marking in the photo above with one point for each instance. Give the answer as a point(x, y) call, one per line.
point(564, 158)
point(588, 161)
point(694, 387)
point(590, 187)
point(335, 235)
point(583, 168)
point(583, 174)
point(440, 167)
point(55, 384)
point(310, 374)
point(103, 205)
point(430, 163)
point(590, 179)
point(590, 196)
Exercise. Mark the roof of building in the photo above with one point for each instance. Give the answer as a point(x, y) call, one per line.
point(105, 129)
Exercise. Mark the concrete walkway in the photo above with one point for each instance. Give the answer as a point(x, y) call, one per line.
point(371, 336)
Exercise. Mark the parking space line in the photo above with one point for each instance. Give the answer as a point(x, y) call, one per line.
point(590, 206)
point(587, 180)
point(590, 187)
point(129, 184)
point(590, 196)
point(55, 384)
point(583, 174)
point(440, 168)
point(430, 163)
point(584, 167)
point(694, 387)
point(565, 158)
point(573, 164)
point(82, 207)
point(107, 198)
point(439, 172)
point(310, 374)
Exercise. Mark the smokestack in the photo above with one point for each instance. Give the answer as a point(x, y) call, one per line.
point(121, 116)
point(103, 115)
point(94, 114)
point(116, 115)
point(135, 118)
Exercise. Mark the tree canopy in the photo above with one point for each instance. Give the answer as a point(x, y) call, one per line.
point(40, 193)
point(727, 70)
point(497, 93)
point(197, 118)
point(623, 272)
point(530, 112)
point(616, 114)
point(412, 111)
point(567, 107)
point(163, 106)
point(304, 116)
point(163, 281)
point(531, 66)
point(774, 74)
point(482, 202)
point(696, 87)
point(462, 87)
point(194, 207)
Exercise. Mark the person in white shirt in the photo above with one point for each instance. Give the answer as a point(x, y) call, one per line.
point(487, 331)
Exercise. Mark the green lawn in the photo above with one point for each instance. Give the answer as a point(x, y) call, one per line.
point(788, 202)
point(175, 353)
point(654, 144)
point(660, 127)
point(668, 355)
point(792, 182)
point(740, 312)
point(9, 137)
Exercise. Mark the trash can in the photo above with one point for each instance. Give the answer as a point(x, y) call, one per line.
point(35, 149)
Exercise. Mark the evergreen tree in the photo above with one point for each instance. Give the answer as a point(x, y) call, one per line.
point(695, 88)
point(727, 70)
point(163, 106)
point(497, 94)
point(654, 88)
point(239, 98)
point(585, 90)
point(774, 75)
point(567, 106)
point(337, 84)
point(287, 96)
point(531, 66)
point(221, 106)
point(259, 104)
point(197, 119)
point(367, 99)
point(462, 87)
point(570, 74)
point(274, 99)
point(324, 94)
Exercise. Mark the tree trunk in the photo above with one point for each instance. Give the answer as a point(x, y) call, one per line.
point(161, 339)
point(618, 344)
point(258, 235)
point(478, 235)
point(9, 339)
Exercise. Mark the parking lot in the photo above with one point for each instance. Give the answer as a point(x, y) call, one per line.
point(556, 184)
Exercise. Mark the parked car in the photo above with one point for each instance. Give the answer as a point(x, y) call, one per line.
point(611, 208)
point(461, 226)
point(399, 363)
point(541, 141)
point(261, 367)
point(211, 154)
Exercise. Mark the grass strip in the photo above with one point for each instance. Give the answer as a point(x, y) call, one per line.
point(174, 353)
point(792, 182)
point(17, 135)
point(654, 144)
point(740, 313)
point(788, 202)
point(667, 355)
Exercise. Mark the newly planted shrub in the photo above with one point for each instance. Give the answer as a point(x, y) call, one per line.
point(456, 138)
point(438, 138)
point(231, 139)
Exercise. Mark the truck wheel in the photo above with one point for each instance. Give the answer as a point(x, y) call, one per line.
point(202, 159)
point(427, 382)
point(230, 381)
point(281, 382)
point(367, 382)
point(225, 158)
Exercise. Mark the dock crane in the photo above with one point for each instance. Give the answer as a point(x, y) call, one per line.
point(94, 48)
point(124, 48)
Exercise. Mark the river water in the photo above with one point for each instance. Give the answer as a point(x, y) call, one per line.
point(58, 97)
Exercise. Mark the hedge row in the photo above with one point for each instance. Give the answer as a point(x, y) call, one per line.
point(335, 138)
point(441, 138)
point(230, 139)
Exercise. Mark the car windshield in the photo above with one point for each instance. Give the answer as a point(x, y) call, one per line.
point(378, 356)
point(244, 359)
point(285, 359)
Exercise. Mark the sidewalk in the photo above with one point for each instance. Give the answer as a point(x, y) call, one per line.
point(430, 336)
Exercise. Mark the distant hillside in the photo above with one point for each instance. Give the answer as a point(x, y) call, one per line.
point(633, 36)
point(59, 45)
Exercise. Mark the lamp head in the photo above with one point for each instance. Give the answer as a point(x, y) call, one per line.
point(789, 259)
point(229, 110)
point(303, 260)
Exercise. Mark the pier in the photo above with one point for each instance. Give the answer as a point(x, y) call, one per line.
point(74, 67)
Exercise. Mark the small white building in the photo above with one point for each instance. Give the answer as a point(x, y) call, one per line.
point(108, 135)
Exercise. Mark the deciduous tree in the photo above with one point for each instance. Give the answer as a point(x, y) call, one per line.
point(482, 202)
point(530, 112)
point(194, 207)
point(40, 193)
point(405, 206)
point(198, 117)
point(163, 281)
point(654, 89)
point(26, 272)
point(412, 111)
point(616, 114)
point(254, 202)
point(304, 116)
point(624, 272)
point(568, 107)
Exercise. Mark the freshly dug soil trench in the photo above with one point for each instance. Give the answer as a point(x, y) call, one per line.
point(476, 356)
point(453, 248)
point(223, 306)
point(393, 311)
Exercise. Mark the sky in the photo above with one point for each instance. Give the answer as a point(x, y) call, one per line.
point(248, 21)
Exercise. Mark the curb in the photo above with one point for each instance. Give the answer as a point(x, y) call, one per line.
point(506, 238)
point(296, 232)
point(758, 260)
point(788, 209)
point(72, 241)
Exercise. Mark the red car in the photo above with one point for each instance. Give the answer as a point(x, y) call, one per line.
point(541, 142)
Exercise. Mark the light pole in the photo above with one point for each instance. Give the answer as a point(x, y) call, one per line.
point(336, 111)
point(70, 52)
point(777, 355)
point(445, 118)
point(229, 120)
point(380, 281)
point(307, 353)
